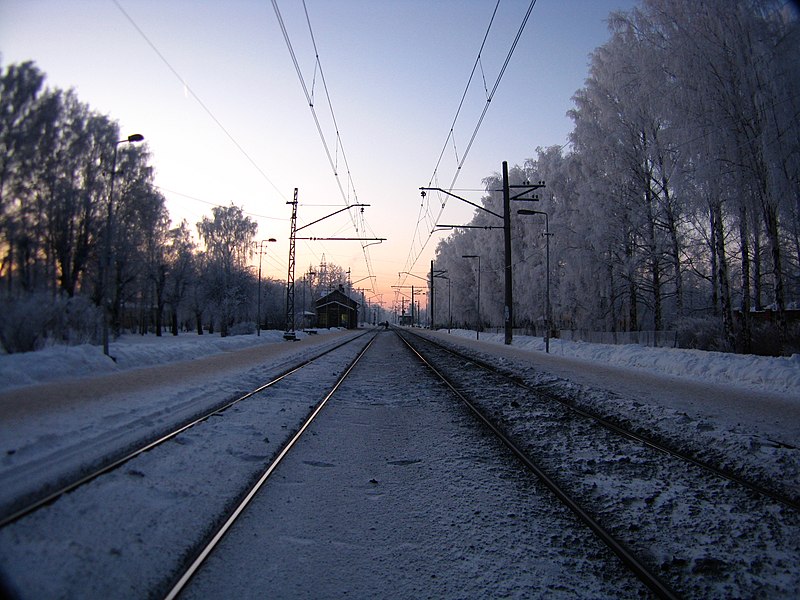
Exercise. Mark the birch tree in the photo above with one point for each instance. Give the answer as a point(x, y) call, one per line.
point(228, 240)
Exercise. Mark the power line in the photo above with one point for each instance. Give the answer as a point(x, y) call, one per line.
point(424, 211)
point(357, 222)
point(196, 97)
point(464, 95)
point(412, 259)
point(216, 204)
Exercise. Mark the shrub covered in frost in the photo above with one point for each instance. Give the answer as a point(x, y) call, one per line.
point(245, 328)
point(34, 321)
point(701, 333)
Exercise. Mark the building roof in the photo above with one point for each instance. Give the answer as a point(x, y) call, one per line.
point(337, 297)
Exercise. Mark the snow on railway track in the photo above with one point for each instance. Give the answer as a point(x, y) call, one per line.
point(394, 492)
point(395, 489)
point(705, 535)
point(125, 531)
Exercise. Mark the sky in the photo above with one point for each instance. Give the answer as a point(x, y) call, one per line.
point(214, 90)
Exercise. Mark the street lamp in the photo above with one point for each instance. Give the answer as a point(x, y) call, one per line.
point(478, 325)
point(106, 264)
point(260, 253)
point(449, 309)
point(547, 267)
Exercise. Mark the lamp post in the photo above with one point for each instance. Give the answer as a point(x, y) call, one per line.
point(478, 325)
point(547, 267)
point(106, 264)
point(449, 310)
point(260, 254)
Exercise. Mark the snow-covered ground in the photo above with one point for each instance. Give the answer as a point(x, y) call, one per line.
point(129, 351)
point(65, 408)
point(755, 373)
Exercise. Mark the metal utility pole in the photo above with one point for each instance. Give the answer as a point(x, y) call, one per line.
point(105, 265)
point(509, 307)
point(442, 274)
point(435, 274)
point(403, 300)
point(289, 333)
point(508, 315)
point(430, 291)
point(412, 306)
point(526, 188)
point(431, 299)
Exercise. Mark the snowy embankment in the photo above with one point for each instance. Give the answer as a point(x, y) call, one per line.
point(760, 373)
point(129, 352)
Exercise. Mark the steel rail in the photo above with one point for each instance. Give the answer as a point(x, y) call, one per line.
point(777, 497)
point(653, 582)
point(116, 463)
point(215, 539)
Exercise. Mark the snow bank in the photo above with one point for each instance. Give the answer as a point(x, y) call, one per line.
point(753, 372)
point(130, 351)
point(781, 374)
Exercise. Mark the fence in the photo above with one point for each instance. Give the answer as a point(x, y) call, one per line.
point(656, 339)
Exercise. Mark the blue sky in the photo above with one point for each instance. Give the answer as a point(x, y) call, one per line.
point(395, 72)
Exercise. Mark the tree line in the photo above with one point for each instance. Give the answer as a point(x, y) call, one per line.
point(75, 250)
point(677, 204)
point(56, 158)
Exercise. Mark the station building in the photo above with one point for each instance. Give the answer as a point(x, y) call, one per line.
point(337, 309)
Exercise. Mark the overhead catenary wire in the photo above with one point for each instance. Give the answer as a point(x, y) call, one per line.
point(188, 89)
point(414, 255)
point(217, 204)
point(358, 222)
point(197, 98)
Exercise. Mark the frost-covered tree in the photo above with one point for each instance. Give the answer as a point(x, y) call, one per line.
point(228, 240)
point(734, 73)
point(680, 194)
point(179, 258)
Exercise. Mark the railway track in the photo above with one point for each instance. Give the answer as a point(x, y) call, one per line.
point(396, 484)
point(425, 496)
point(631, 561)
point(182, 480)
point(208, 548)
point(49, 493)
point(768, 492)
point(703, 530)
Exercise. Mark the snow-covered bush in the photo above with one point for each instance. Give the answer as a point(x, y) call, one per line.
point(245, 328)
point(23, 322)
point(701, 333)
point(79, 322)
point(32, 322)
